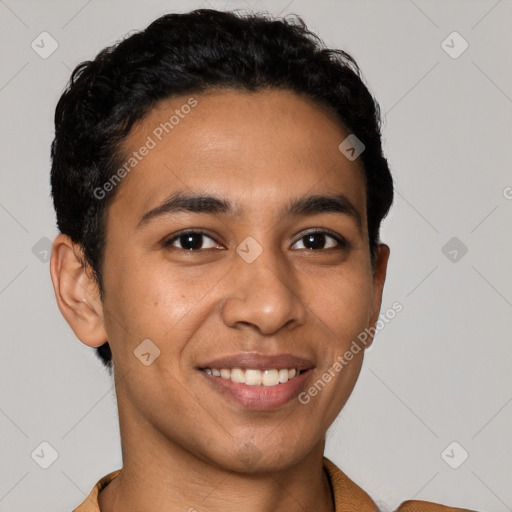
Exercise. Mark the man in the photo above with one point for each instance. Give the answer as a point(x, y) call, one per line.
point(219, 186)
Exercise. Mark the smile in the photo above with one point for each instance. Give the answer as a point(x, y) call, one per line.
point(255, 380)
point(254, 376)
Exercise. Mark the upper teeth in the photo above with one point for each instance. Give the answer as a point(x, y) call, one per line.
point(252, 377)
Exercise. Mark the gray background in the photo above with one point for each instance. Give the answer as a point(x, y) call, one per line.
point(438, 373)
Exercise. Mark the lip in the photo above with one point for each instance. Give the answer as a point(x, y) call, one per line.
point(261, 398)
point(258, 361)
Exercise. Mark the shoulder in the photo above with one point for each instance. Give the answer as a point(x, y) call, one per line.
point(91, 502)
point(348, 496)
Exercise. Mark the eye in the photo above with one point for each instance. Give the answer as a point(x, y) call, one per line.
point(321, 240)
point(191, 241)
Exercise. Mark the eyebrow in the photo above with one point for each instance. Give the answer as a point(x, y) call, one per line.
point(198, 203)
point(315, 204)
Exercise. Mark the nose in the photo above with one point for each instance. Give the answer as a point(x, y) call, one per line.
point(263, 295)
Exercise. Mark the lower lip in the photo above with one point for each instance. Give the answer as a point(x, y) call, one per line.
point(260, 398)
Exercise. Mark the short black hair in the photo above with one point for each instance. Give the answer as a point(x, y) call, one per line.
point(187, 53)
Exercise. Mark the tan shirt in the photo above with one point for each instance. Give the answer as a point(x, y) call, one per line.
point(348, 497)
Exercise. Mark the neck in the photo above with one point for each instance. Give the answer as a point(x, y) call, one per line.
point(164, 475)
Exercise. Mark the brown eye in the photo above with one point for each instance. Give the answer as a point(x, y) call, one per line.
point(321, 240)
point(191, 241)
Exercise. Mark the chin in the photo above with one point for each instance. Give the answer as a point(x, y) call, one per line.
point(252, 458)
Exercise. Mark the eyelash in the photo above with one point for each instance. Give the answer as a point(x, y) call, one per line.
point(343, 244)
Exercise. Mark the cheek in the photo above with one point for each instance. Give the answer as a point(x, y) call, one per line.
point(150, 299)
point(341, 301)
point(140, 300)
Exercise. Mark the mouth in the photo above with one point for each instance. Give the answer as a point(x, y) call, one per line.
point(257, 381)
point(254, 376)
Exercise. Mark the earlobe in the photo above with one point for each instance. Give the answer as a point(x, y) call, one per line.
point(77, 292)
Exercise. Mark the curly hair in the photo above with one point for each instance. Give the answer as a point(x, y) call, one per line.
point(180, 54)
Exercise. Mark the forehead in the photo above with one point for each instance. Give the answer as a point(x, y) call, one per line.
point(250, 146)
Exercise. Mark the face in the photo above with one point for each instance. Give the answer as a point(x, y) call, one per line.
point(267, 274)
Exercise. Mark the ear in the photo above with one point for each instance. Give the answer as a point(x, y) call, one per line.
point(379, 277)
point(77, 292)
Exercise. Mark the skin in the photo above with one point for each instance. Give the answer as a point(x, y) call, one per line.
point(185, 445)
